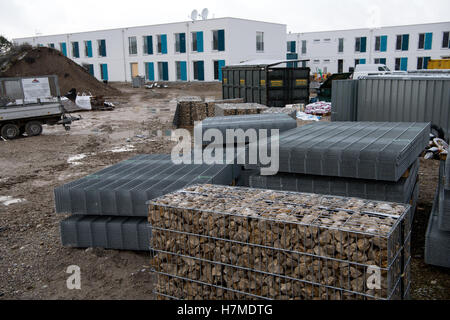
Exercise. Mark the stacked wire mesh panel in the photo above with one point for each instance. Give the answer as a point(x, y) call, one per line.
point(109, 207)
point(266, 122)
point(218, 242)
point(437, 238)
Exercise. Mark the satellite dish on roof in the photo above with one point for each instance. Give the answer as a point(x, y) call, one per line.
point(205, 13)
point(194, 15)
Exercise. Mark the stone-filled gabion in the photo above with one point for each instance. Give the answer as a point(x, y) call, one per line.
point(215, 242)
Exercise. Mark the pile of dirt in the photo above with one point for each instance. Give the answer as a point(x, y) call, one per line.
point(48, 61)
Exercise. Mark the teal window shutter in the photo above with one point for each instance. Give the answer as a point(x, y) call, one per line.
point(201, 70)
point(182, 43)
point(362, 61)
point(293, 49)
point(104, 71)
point(164, 44)
point(405, 42)
point(404, 64)
point(221, 65)
point(149, 44)
point(383, 60)
point(363, 44)
point(200, 41)
point(64, 49)
point(428, 41)
point(383, 45)
point(221, 34)
point(103, 48)
point(89, 48)
point(151, 71)
point(91, 69)
point(425, 62)
point(183, 67)
point(165, 71)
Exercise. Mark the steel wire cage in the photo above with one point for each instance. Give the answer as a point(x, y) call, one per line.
point(215, 242)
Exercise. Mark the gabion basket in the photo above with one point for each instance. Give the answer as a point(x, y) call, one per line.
point(215, 242)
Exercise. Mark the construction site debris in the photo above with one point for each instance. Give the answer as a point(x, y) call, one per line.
point(318, 108)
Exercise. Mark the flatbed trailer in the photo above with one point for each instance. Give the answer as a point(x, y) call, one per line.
point(23, 111)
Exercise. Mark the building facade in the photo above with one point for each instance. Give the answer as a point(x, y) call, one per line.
point(400, 48)
point(184, 51)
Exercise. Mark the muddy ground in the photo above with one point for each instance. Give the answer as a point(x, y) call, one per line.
point(32, 261)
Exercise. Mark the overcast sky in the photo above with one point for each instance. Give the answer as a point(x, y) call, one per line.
point(21, 18)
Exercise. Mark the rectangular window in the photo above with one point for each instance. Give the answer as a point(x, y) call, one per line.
point(218, 65)
point(427, 41)
point(163, 71)
point(303, 46)
point(101, 48)
point(180, 42)
point(148, 45)
point(51, 45)
point(90, 69)
point(401, 64)
point(75, 50)
point(422, 62)
point(380, 61)
point(360, 44)
point(104, 71)
point(181, 70)
point(199, 70)
point(360, 61)
point(197, 41)
point(132, 45)
point(341, 45)
point(340, 66)
point(162, 43)
point(291, 47)
point(259, 41)
point(421, 40)
point(377, 43)
point(446, 39)
point(88, 49)
point(402, 42)
point(218, 40)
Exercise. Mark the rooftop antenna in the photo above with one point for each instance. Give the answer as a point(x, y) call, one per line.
point(194, 15)
point(205, 13)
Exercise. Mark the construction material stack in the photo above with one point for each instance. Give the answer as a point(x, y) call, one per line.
point(192, 109)
point(238, 109)
point(437, 238)
point(109, 207)
point(216, 242)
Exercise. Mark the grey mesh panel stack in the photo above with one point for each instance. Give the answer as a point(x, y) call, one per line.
point(123, 189)
point(444, 197)
point(363, 150)
point(109, 207)
point(437, 241)
point(280, 121)
point(120, 233)
point(401, 191)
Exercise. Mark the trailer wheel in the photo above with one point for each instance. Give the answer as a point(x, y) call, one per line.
point(21, 130)
point(33, 128)
point(10, 131)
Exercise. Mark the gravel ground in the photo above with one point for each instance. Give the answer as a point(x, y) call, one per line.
point(33, 263)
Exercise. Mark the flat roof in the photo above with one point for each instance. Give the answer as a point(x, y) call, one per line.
point(375, 28)
point(150, 25)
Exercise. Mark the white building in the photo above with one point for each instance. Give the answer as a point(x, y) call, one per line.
point(400, 48)
point(183, 51)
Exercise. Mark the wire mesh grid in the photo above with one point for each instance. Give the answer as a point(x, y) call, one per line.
point(213, 242)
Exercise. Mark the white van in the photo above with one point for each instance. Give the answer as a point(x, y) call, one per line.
point(362, 70)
